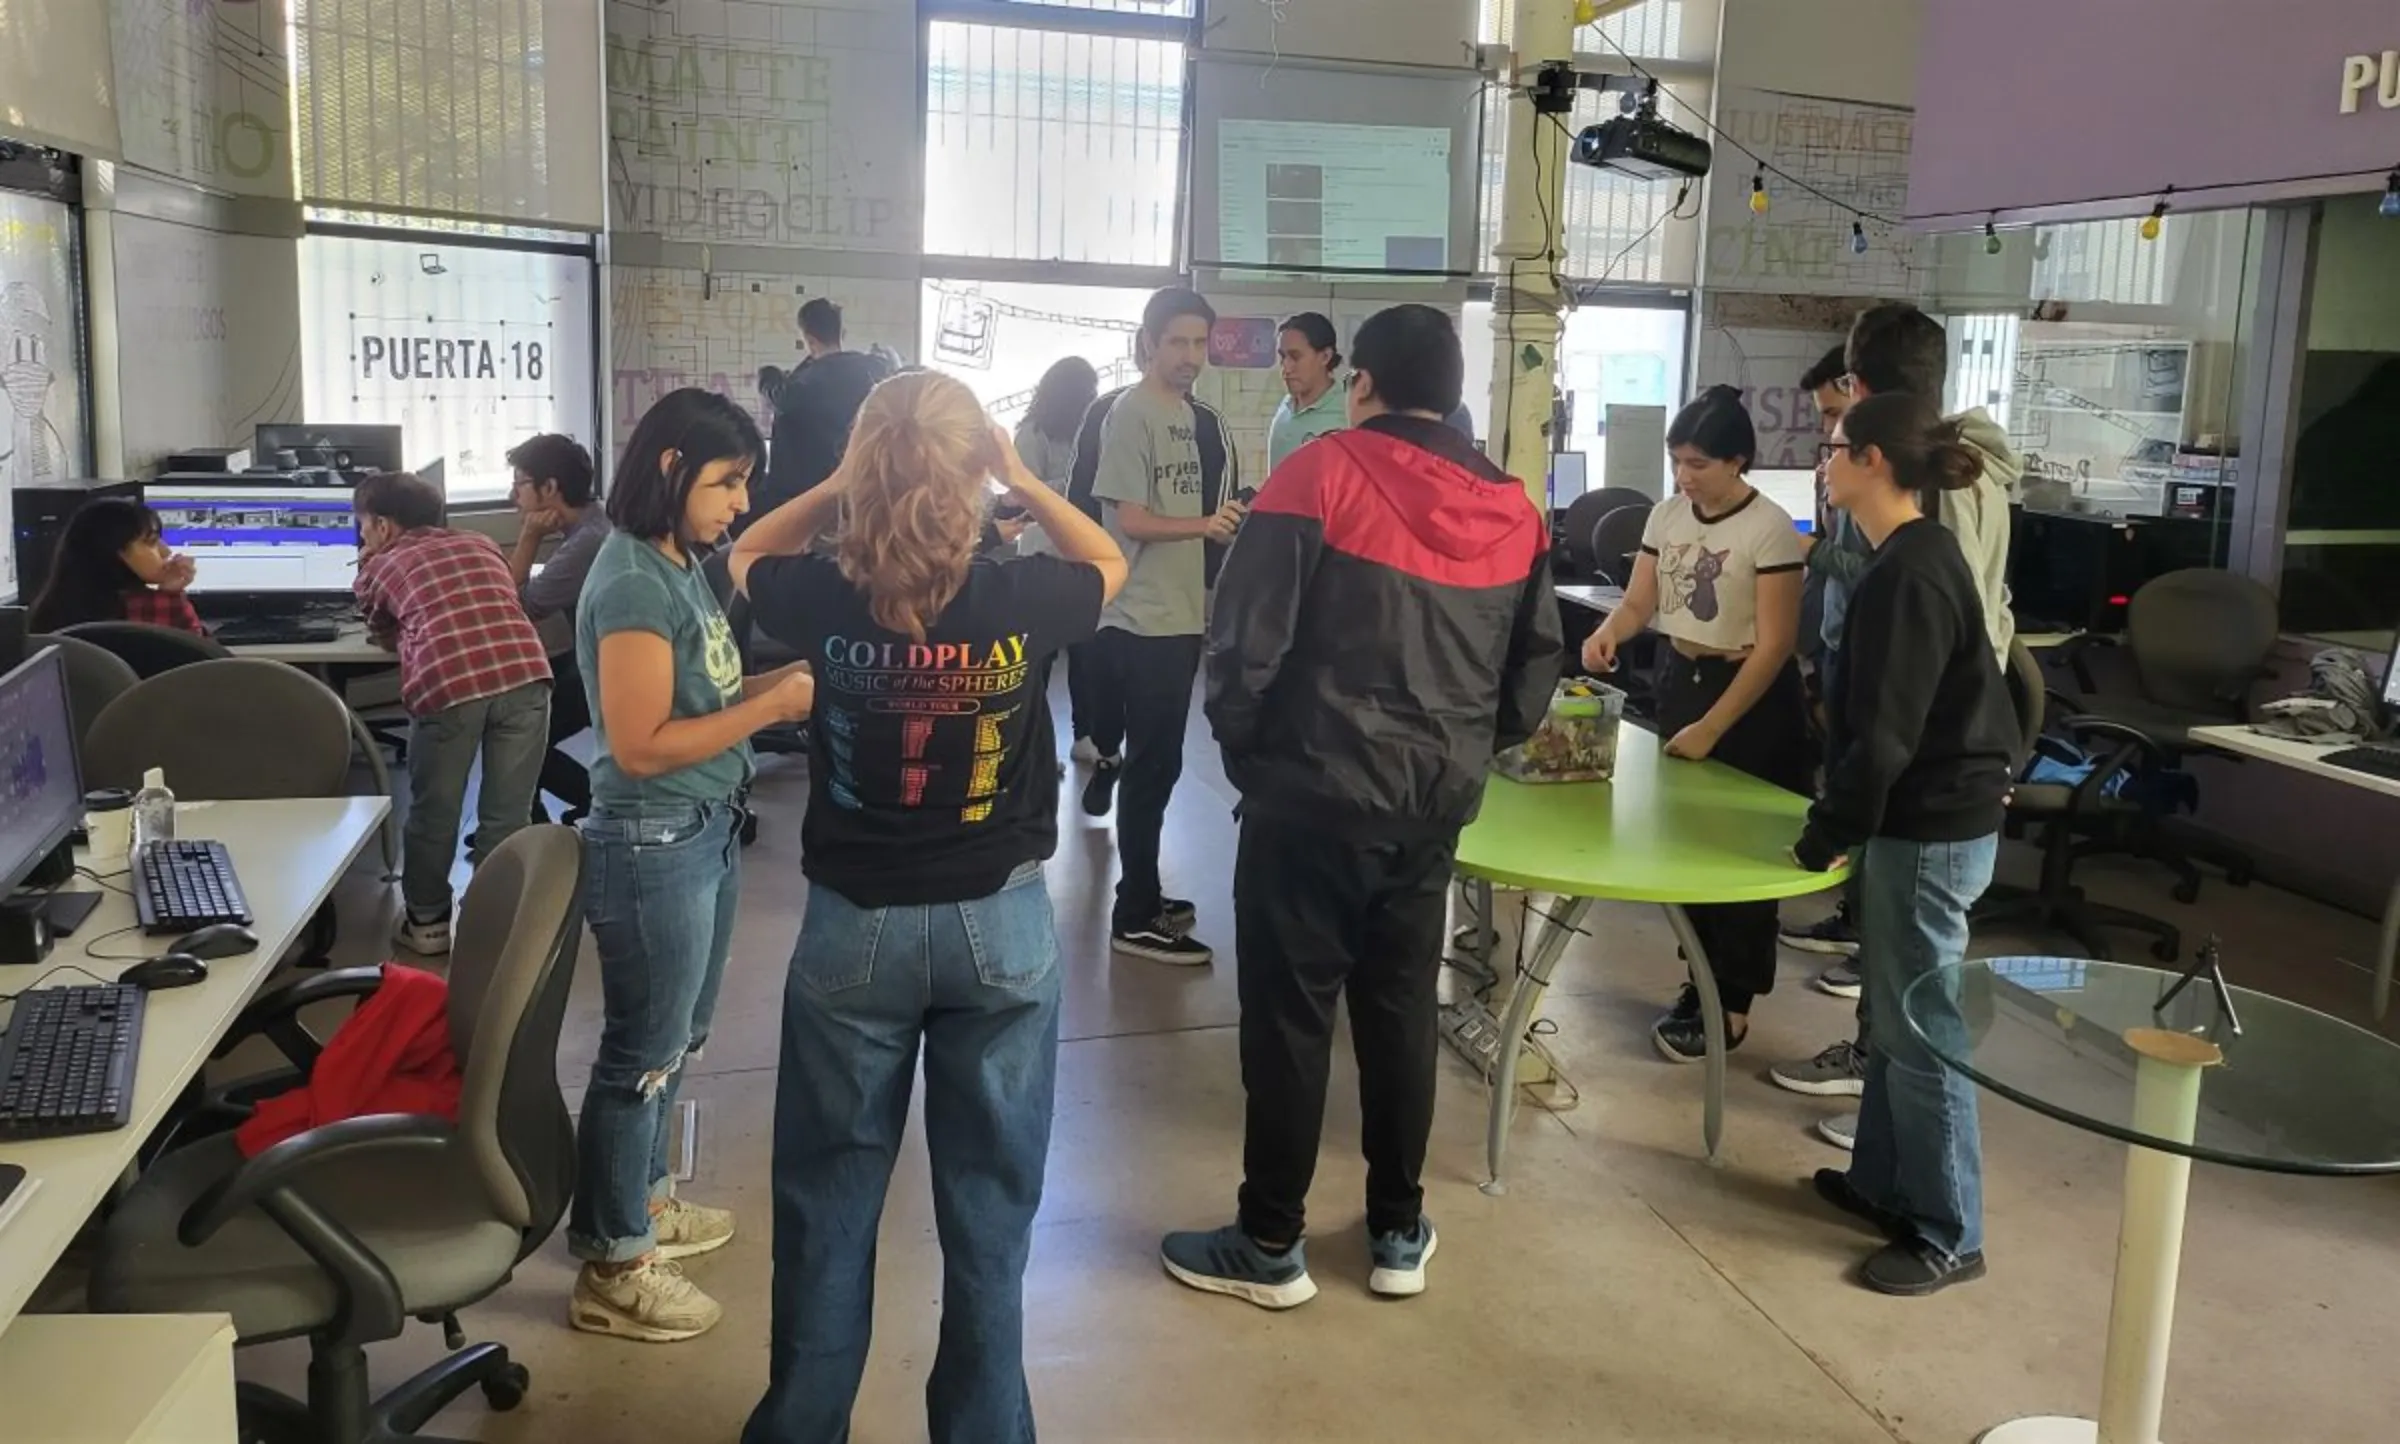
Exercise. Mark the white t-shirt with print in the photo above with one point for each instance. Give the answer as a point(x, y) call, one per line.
point(1708, 568)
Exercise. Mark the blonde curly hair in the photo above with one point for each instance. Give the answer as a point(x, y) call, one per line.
point(912, 512)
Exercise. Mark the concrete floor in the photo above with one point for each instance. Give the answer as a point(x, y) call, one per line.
point(1622, 1290)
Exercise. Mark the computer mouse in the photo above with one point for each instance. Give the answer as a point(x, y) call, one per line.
point(167, 970)
point(217, 940)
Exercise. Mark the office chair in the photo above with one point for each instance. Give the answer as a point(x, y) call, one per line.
point(346, 1232)
point(95, 676)
point(2198, 640)
point(233, 730)
point(225, 731)
point(1584, 513)
point(2063, 814)
point(1616, 536)
point(149, 650)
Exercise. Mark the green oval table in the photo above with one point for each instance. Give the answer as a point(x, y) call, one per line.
point(1662, 831)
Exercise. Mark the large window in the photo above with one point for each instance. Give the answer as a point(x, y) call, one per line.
point(468, 348)
point(1048, 145)
point(2341, 545)
point(41, 354)
point(1608, 356)
point(1000, 337)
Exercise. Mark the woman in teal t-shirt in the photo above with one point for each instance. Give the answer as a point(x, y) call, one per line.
point(673, 715)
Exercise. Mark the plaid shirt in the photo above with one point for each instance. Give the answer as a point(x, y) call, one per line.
point(162, 609)
point(463, 634)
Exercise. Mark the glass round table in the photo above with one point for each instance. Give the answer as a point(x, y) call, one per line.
point(2180, 1068)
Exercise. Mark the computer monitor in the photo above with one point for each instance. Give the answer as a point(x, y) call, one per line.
point(43, 785)
point(1570, 477)
point(352, 450)
point(260, 540)
point(1794, 491)
point(436, 474)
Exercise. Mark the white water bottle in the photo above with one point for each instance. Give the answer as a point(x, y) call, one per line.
point(153, 812)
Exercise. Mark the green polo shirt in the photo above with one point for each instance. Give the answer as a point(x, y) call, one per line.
point(1295, 426)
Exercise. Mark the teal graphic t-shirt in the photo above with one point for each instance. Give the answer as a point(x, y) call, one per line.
point(633, 587)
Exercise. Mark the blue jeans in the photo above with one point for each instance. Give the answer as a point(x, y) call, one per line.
point(660, 885)
point(1920, 1151)
point(977, 984)
point(511, 732)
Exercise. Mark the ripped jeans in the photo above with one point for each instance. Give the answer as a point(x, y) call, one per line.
point(660, 884)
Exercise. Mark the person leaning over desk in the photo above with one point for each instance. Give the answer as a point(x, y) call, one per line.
point(1719, 572)
point(1922, 741)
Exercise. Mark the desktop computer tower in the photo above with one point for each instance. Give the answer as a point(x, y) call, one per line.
point(41, 514)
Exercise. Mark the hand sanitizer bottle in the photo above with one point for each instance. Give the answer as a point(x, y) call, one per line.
point(153, 811)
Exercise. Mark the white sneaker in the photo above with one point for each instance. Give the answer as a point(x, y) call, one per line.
point(652, 1302)
point(432, 939)
point(1841, 1132)
point(1084, 751)
point(686, 1229)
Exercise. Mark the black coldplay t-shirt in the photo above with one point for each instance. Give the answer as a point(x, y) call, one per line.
point(933, 768)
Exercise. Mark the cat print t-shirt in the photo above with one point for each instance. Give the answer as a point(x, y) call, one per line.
point(1708, 568)
point(933, 766)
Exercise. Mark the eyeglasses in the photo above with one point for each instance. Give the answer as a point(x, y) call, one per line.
point(1828, 450)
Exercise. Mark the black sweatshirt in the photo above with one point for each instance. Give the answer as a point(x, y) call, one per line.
point(1924, 736)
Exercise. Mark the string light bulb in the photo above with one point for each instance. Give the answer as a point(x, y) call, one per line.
point(1991, 239)
point(1758, 193)
point(1858, 238)
point(1587, 12)
point(2155, 222)
point(2388, 207)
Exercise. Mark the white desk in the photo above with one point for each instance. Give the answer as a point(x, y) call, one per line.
point(120, 1379)
point(1601, 599)
point(353, 648)
point(288, 856)
point(2308, 757)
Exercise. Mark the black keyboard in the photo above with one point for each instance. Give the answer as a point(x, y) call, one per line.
point(276, 631)
point(2374, 761)
point(179, 886)
point(66, 1064)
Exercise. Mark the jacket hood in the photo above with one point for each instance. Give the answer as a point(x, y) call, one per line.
point(2002, 467)
point(1435, 484)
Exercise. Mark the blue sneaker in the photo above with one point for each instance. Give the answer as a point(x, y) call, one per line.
point(1400, 1260)
point(1228, 1261)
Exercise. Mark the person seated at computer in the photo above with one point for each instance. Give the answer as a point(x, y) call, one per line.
point(1719, 572)
point(474, 678)
point(553, 496)
point(114, 565)
point(1923, 738)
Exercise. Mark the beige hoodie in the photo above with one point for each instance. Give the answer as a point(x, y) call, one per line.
point(1978, 516)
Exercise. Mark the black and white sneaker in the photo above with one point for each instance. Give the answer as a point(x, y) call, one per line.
point(1681, 1035)
point(1160, 941)
point(1100, 794)
point(1833, 937)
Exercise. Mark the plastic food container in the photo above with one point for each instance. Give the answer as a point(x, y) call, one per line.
point(1577, 741)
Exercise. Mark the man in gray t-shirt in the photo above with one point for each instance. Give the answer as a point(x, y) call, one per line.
point(554, 497)
point(1148, 484)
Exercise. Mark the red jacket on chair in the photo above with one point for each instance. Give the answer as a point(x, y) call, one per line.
point(391, 1056)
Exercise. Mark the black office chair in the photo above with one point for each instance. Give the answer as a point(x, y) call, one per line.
point(345, 1233)
point(1616, 536)
point(1584, 513)
point(148, 650)
point(2065, 814)
point(2199, 640)
point(95, 676)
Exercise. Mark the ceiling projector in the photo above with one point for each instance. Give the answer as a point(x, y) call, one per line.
point(1643, 146)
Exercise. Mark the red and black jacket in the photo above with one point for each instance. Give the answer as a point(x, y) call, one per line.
point(1384, 625)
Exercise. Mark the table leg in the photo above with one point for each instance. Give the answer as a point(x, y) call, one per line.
point(2385, 947)
point(1712, 1016)
point(2141, 1314)
point(1524, 996)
